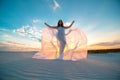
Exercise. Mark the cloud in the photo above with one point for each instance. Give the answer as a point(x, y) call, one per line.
point(2, 29)
point(13, 39)
point(29, 31)
point(36, 20)
point(11, 46)
point(8, 43)
point(106, 44)
point(13, 43)
point(56, 5)
point(67, 23)
point(24, 38)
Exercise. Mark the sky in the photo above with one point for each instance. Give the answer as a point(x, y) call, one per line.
point(22, 21)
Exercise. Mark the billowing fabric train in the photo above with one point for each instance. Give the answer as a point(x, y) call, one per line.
point(75, 49)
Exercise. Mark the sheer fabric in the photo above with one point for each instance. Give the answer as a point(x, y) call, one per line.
point(75, 48)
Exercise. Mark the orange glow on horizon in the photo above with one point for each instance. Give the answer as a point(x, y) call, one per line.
point(98, 47)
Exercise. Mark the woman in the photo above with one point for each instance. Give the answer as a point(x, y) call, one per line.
point(61, 34)
point(75, 38)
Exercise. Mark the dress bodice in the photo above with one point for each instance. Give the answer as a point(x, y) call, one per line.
point(61, 30)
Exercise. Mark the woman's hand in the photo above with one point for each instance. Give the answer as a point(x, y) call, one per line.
point(45, 23)
point(73, 21)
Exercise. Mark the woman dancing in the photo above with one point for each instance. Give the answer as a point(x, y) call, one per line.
point(61, 34)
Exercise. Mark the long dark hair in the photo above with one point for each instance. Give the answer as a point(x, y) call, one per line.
point(59, 23)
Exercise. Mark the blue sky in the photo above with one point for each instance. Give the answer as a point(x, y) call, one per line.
point(99, 19)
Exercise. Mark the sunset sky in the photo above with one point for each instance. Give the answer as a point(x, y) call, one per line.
point(21, 21)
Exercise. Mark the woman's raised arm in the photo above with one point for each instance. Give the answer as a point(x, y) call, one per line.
point(55, 27)
point(66, 27)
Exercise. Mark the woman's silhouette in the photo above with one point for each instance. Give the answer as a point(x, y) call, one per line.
point(75, 40)
point(61, 34)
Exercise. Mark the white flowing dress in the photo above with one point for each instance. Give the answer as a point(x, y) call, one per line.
point(61, 40)
point(61, 34)
point(75, 48)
